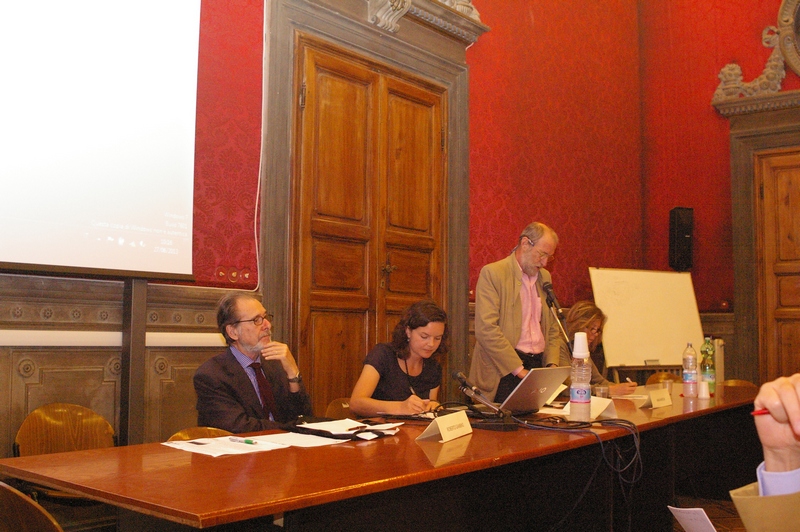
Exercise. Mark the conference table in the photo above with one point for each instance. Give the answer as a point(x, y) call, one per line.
point(542, 479)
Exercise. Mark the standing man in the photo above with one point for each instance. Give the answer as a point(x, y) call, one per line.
point(515, 330)
point(255, 385)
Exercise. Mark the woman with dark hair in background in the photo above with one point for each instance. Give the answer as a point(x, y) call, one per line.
point(401, 377)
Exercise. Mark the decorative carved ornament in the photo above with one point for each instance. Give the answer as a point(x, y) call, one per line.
point(789, 31)
point(457, 18)
point(735, 96)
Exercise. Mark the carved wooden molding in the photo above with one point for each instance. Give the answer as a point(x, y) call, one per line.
point(387, 13)
point(770, 102)
point(731, 81)
point(47, 303)
point(456, 18)
point(735, 96)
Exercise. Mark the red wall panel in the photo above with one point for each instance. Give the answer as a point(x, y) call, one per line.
point(228, 142)
point(595, 119)
point(686, 159)
point(555, 135)
point(576, 123)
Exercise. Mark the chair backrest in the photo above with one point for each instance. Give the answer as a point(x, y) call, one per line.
point(661, 376)
point(60, 427)
point(738, 382)
point(192, 433)
point(20, 513)
point(339, 409)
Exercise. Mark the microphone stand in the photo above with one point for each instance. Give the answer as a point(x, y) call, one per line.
point(559, 317)
point(504, 422)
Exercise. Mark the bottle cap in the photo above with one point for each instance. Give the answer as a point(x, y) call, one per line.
point(580, 346)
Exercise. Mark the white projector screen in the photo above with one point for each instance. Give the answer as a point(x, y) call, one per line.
point(651, 315)
point(97, 136)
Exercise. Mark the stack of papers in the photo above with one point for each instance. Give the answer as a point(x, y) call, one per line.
point(254, 444)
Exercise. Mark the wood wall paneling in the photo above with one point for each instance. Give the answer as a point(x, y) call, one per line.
point(38, 376)
point(170, 392)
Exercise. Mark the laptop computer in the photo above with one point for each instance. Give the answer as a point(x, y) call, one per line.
point(535, 389)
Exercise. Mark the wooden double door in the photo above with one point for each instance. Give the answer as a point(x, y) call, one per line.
point(777, 185)
point(369, 212)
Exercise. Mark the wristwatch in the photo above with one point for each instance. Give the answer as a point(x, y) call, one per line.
point(296, 378)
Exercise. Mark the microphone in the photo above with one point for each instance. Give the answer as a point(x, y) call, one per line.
point(552, 300)
point(460, 377)
point(475, 393)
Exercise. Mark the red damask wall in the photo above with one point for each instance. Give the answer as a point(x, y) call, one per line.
point(593, 118)
point(555, 135)
point(597, 120)
point(686, 159)
point(228, 142)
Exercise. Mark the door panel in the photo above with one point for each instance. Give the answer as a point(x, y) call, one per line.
point(777, 174)
point(414, 166)
point(368, 212)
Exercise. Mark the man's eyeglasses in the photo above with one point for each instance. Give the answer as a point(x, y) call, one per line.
point(258, 320)
point(542, 254)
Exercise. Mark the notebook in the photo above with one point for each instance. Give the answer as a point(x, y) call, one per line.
point(535, 389)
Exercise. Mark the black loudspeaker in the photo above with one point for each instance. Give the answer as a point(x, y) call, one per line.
point(681, 226)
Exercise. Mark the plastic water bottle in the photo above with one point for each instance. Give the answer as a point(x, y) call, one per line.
point(689, 371)
point(580, 389)
point(707, 371)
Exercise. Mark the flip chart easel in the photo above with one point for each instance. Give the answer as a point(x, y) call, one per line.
point(651, 315)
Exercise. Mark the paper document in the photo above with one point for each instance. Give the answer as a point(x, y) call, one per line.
point(360, 430)
point(693, 519)
point(293, 439)
point(222, 446)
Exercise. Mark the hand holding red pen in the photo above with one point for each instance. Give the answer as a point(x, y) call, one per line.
point(779, 426)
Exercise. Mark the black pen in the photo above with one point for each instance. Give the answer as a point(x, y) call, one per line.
point(357, 427)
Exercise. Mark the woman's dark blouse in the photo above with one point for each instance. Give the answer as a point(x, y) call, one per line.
point(394, 384)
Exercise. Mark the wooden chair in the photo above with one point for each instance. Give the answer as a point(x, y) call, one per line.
point(661, 376)
point(20, 513)
point(61, 427)
point(339, 409)
point(193, 433)
point(738, 382)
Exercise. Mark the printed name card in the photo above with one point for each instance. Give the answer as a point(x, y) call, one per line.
point(449, 427)
point(660, 397)
point(655, 398)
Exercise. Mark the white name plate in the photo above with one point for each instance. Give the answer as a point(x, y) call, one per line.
point(449, 427)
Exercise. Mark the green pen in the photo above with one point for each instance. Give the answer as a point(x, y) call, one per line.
point(243, 440)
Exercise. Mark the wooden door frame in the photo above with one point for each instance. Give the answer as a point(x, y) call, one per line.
point(768, 124)
point(423, 50)
point(770, 265)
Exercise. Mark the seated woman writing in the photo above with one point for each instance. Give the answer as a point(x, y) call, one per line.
point(585, 316)
point(401, 377)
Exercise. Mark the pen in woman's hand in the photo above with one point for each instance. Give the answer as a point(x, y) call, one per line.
point(759, 412)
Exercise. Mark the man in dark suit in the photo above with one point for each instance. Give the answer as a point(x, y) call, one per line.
point(255, 385)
